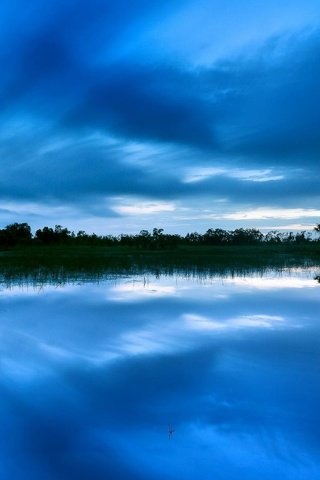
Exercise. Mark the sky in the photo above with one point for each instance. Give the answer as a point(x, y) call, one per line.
point(183, 115)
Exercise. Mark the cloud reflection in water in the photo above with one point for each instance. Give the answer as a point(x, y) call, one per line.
point(92, 375)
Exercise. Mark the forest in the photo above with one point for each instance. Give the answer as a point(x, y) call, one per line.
point(20, 234)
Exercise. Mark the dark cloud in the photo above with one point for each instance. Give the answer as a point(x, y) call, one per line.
point(76, 171)
point(271, 112)
point(156, 102)
point(148, 103)
point(301, 188)
point(263, 105)
point(73, 75)
point(48, 65)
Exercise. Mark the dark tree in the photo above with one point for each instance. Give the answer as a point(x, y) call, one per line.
point(46, 235)
point(246, 236)
point(49, 235)
point(216, 237)
point(15, 234)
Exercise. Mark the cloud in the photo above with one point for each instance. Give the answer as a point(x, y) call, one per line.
point(262, 105)
point(264, 213)
point(147, 102)
point(271, 110)
point(144, 208)
point(81, 90)
point(73, 169)
point(197, 174)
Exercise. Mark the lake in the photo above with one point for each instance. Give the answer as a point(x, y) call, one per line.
point(162, 377)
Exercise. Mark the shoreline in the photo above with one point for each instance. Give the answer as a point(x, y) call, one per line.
point(60, 263)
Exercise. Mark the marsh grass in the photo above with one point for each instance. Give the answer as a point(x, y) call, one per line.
point(59, 264)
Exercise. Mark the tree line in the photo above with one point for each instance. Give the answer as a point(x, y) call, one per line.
point(20, 234)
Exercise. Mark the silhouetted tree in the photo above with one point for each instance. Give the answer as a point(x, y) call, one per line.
point(302, 237)
point(216, 237)
point(249, 236)
point(274, 236)
point(144, 239)
point(193, 238)
point(15, 234)
point(49, 235)
point(20, 233)
point(46, 235)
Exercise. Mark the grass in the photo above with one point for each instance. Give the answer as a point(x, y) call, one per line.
point(62, 263)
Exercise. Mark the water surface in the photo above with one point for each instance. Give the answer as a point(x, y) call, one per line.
point(93, 373)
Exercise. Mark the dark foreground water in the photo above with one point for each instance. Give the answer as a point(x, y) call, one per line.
point(93, 374)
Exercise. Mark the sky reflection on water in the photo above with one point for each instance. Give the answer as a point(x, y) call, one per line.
point(91, 376)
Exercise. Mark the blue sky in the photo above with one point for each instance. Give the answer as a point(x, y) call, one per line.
point(185, 115)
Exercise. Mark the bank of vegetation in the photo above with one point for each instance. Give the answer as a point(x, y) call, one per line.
point(60, 252)
point(19, 234)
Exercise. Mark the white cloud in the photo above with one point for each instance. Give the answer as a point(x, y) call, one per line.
point(144, 208)
point(265, 213)
point(255, 175)
point(194, 175)
point(289, 226)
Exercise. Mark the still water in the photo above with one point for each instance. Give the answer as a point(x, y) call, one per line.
point(93, 375)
